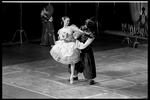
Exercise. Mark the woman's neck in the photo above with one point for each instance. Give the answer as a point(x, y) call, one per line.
point(65, 26)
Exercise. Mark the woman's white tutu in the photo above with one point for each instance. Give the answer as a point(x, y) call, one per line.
point(65, 52)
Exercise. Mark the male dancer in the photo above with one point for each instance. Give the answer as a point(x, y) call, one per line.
point(87, 63)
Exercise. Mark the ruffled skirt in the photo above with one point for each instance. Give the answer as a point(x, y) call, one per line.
point(65, 52)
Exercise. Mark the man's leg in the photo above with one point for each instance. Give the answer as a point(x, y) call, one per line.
point(89, 68)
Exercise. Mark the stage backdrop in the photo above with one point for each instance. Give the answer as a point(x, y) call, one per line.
point(110, 16)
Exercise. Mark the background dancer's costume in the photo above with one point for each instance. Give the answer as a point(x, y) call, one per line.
point(143, 22)
point(48, 36)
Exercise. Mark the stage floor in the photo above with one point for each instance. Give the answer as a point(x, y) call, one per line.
point(30, 72)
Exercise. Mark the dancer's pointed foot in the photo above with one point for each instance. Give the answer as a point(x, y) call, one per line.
point(71, 80)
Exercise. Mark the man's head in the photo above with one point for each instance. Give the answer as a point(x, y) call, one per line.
point(89, 23)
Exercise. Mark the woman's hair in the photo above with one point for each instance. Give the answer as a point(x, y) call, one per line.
point(62, 19)
point(65, 17)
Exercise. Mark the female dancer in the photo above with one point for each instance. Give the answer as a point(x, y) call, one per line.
point(67, 49)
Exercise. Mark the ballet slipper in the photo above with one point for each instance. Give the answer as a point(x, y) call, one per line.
point(71, 80)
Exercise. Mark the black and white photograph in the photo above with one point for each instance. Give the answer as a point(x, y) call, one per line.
point(74, 49)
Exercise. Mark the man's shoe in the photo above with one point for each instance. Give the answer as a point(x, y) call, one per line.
point(91, 82)
point(75, 78)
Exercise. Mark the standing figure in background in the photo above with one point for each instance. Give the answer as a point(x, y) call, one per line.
point(86, 65)
point(143, 22)
point(48, 35)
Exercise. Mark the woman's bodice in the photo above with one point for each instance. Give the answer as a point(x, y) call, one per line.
point(68, 33)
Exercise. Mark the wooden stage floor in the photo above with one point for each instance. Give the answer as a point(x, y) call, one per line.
point(28, 71)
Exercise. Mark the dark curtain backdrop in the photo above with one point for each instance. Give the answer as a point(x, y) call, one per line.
point(10, 20)
point(110, 16)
